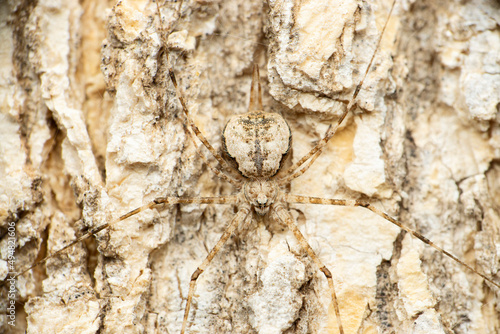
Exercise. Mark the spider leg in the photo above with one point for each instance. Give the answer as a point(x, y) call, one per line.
point(255, 91)
point(315, 152)
point(191, 123)
point(354, 203)
point(219, 173)
point(240, 217)
point(282, 215)
point(180, 96)
point(150, 205)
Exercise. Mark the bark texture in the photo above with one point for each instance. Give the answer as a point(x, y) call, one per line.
point(91, 128)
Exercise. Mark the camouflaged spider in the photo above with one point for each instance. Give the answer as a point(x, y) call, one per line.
point(258, 142)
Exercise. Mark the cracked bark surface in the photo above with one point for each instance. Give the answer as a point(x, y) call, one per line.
point(91, 129)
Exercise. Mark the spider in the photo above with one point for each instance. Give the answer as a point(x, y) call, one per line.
point(288, 262)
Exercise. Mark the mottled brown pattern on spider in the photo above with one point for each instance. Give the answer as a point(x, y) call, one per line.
point(258, 141)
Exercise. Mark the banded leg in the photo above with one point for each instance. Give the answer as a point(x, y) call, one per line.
point(255, 91)
point(180, 96)
point(354, 203)
point(240, 216)
point(150, 205)
point(219, 173)
point(315, 152)
point(283, 216)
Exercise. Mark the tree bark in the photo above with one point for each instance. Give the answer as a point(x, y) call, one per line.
point(92, 128)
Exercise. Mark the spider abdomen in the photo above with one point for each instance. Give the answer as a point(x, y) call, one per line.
point(258, 142)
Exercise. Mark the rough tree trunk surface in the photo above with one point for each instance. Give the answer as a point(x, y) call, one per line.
point(91, 128)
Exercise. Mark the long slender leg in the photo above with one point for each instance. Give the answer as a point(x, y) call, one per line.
point(192, 125)
point(255, 91)
point(353, 203)
point(315, 152)
point(150, 205)
point(240, 216)
point(219, 173)
point(185, 109)
point(283, 216)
